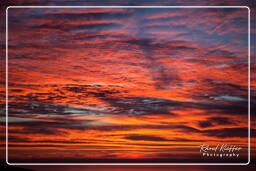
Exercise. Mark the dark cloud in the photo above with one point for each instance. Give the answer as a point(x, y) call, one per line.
point(227, 132)
point(142, 105)
point(92, 16)
point(213, 121)
point(98, 27)
point(37, 128)
point(88, 27)
point(221, 120)
point(227, 109)
point(224, 87)
point(35, 108)
point(205, 124)
point(145, 138)
point(97, 36)
point(35, 145)
point(163, 19)
point(15, 90)
point(12, 138)
point(41, 103)
point(46, 127)
point(98, 91)
point(156, 138)
point(220, 133)
point(52, 128)
point(185, 128)
point(220, 53)
point(150, 48)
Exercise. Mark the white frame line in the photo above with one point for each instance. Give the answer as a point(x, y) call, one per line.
point(249, 84)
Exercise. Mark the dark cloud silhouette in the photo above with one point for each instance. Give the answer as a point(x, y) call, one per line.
point(145, 138)
point(227, 132)
point(221, 120)
point(142, 105)
point(93, 16)
point(36, 129)
point(35, 108)
point(220, 53)
point(213, 121)
point(205, 124)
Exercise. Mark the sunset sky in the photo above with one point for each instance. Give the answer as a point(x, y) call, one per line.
point(94, 84)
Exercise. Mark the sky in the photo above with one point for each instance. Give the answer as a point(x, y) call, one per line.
point(116, 84)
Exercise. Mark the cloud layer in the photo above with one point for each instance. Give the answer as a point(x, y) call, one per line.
point(126, 83)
